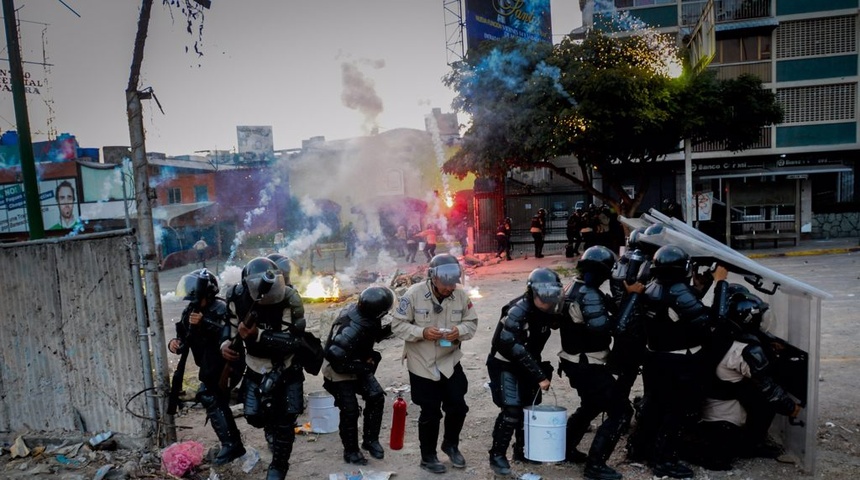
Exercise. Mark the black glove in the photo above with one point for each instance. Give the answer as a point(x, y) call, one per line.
point(547, 369)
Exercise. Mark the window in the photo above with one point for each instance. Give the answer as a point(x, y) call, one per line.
point(201, 193)
point(174, 195)
point(818, 103)
point(743, 49)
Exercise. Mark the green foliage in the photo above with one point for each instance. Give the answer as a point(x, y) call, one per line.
point(608, 101)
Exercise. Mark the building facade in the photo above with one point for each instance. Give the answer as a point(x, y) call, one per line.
point(800, 177)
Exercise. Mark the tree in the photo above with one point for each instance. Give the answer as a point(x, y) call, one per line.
point(612, 102)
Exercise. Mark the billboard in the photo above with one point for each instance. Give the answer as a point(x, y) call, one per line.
point(64, 148)
point(495, 19)
point(60, 209)
point(255, 143)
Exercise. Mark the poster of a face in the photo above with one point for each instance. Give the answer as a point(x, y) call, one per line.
point(704, 203)
point(60, 205)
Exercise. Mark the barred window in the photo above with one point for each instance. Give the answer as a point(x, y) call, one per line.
point(819, 103)
point(817, 36)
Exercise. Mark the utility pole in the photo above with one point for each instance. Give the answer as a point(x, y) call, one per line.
point(144, 197)
point(22, 120)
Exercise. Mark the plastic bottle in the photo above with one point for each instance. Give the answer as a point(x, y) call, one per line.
point(398, 424)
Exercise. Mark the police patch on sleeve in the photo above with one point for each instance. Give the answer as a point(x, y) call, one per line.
point(403, 306)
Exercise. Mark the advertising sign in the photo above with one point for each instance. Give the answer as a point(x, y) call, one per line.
point(255, 143)
point(60, 209)
point(59, 150)
point(495, 19)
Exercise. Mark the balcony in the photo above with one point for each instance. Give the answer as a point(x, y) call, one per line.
point(725, 10)
point(762, 70)
point(763, 142)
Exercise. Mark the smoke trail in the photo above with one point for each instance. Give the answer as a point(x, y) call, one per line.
point(359, 92)
point(265, 198)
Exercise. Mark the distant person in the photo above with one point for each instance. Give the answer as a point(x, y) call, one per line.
point(572, 230)
point(200, 247)
point(537, 229)
point(429, 235)
point(400, 241)
point(412, 240)
point(672, 209)
point(502, 234)
point(65, 195)
point(349, 239)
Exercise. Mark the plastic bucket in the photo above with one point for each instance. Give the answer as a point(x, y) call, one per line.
point(544, 427)
point(325, 417)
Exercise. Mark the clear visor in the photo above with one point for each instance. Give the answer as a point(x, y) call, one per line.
point(548, 297)
point(190, 287)
point(768, 320)
point(447, 275)
point(267, 288)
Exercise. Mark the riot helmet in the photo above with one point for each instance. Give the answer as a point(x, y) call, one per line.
point(595, 265)
point(264, 281)
point(747, 312)
point(444, 270)
point(375, 302)
point(545, 290)
point(634, 240)
point(672, 264)
point(283, 263)
point(197, 285)
point(541, 212)
point(734, 288)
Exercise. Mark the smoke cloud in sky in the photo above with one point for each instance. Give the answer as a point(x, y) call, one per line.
point(359, 91)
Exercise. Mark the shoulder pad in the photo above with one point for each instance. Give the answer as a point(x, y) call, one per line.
point(756, 358)
point(219, 307)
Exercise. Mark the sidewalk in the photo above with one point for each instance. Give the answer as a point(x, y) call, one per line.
point(807, 247)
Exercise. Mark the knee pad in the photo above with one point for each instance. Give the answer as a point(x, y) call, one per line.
point(256, 420)
point(512, 415)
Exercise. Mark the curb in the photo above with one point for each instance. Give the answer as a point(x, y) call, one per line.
point(806, 253)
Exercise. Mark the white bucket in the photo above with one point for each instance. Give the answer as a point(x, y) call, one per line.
point(544, 427)
point(325, 417)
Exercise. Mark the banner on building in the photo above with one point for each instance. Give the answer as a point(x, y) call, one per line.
point(60, 150)
point(60, 208)
point(255, 144)
point(495, 19)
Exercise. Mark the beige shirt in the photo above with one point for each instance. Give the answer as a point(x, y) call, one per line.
point(414, 313)
point(732, 368)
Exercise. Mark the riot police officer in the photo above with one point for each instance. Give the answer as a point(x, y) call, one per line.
point(514, 363)
point(742, 395)
point(538, 230)
point(349, 370)
point(433, 318)
point(271, 336)
point(677, 325)
point(201, 329)
point(586, 334)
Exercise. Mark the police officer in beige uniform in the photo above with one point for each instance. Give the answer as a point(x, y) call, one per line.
point(434, 317)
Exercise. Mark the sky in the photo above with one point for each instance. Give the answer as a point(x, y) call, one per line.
point(281, 63)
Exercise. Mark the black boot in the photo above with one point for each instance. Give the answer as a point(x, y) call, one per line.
point(225, 428)
point(451, 441)
point(282, 447)
point(666, 462)
point(428, 437)
point(431, 463)
point(601, 448)
point(349, 438)
point(577, 425)
point(502, 432)
point(372, 426)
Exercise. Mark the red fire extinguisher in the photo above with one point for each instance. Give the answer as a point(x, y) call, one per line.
point(398, 424)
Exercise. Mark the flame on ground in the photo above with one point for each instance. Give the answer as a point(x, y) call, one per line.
point(475, 293)
point(322, 288)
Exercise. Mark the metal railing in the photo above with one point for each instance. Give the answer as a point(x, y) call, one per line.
point(763, 70)
point(763, 142)
point(725, 10)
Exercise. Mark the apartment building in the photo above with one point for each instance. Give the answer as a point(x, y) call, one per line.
point(800, 177)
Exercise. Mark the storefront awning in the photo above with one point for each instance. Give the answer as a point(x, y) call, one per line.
point(778, 172)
